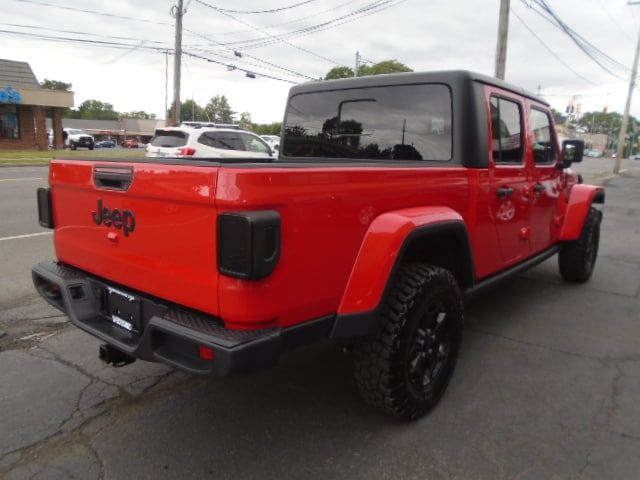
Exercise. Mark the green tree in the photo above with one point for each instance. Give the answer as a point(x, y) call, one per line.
point(55, 85)
point(386, 66)
point(218, 110)
point(339, 72)
point(274, 128)
point(189, 110)
point(245, 121)
point(139, 114)
point(95, 110)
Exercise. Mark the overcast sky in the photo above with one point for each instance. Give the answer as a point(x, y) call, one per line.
point(424, 34)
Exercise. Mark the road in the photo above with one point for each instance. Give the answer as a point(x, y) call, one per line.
point(546, 386)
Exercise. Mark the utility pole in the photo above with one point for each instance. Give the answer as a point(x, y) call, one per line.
point(177, 11)
point(627, 107)
point(166, 88)
point(503, 33)
point(355, 70)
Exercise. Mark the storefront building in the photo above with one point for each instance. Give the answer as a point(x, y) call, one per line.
point(25, 108)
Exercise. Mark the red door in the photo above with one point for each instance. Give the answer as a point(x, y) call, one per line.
point(546, 187)
point(510, 195)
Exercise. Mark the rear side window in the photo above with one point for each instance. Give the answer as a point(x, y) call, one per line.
point(222, 140)
point(404, 122)
point(506, 126)
point(169, 138)
point(543, 145)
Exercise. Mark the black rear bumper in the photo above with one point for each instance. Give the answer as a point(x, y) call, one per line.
point(169, 333)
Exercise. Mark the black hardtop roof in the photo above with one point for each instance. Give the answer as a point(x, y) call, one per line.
point(445, 76)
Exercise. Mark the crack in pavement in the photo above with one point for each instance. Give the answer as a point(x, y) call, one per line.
point(77, 434)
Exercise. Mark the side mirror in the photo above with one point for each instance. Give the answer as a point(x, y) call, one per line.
point(572, 152)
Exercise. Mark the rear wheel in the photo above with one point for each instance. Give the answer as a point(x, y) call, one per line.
point(73, 146)
point(578, 258)
point(406, 366)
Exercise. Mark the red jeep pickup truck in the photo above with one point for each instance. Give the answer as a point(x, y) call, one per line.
point(394, 199)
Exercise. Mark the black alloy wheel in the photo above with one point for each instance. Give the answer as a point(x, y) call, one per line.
point(404, 369)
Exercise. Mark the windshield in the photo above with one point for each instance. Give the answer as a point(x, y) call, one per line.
point(169, 138)
point(74, 131)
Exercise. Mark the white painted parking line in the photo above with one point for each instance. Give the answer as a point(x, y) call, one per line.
point(28, 235)
point(20, 179)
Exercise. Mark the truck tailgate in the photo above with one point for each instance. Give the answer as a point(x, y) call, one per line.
point(149, 227)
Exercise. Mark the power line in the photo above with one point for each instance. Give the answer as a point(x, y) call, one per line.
point(84, 41)
point(129, 46)
point(210, 60)
point(603, 60)
point(107, 14)
point(606, 10)
point(284, 69)
point(295, 20)
point(556, 56)
point(365, 11)
point(267, 33)
point(94, 12)
point(265, 11)
point(76, 32)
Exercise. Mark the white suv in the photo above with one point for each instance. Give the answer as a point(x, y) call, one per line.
point(207, 141)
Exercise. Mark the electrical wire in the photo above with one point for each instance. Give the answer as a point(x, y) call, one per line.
point(284, 69)
point(104, 14)
point(556, 56)
point(267, 33)
point(288, 7)
point(362, 12)
point(128, 46)
point(210, 60)
point(107, 14)
point(604, 61)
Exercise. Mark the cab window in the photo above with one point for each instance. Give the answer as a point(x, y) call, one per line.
point(506, 126)
point(544, 150)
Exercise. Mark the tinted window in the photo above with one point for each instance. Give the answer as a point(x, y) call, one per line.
point(169, 138)
point(409, 122)
point(543, 145)
point(506, 126)
point(223, 140)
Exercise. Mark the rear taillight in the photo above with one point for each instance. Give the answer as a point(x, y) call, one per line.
point(248, 244)
point(45, 210)
point(186, 151)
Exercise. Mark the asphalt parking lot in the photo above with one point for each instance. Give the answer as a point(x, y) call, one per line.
point(547, 385)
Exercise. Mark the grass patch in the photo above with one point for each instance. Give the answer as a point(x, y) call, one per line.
point(31, 157)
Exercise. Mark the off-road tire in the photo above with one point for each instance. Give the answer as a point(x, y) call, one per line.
point(577, 258)
point(73, 146)
point(412, 332)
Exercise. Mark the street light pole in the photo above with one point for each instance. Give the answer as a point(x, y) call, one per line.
point(627, 107)
point(503, 34)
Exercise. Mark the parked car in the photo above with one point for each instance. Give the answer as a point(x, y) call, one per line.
point(130, 143)
point(106, 144)
point(635, 156)
point(595, 153)
point(75, 138)
point(272, 140)
point(202, 142)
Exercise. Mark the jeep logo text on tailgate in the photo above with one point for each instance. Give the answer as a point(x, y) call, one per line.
point(121, 219)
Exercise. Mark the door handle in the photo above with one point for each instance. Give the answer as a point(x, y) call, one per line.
point(504, 192)
point(539, 188)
